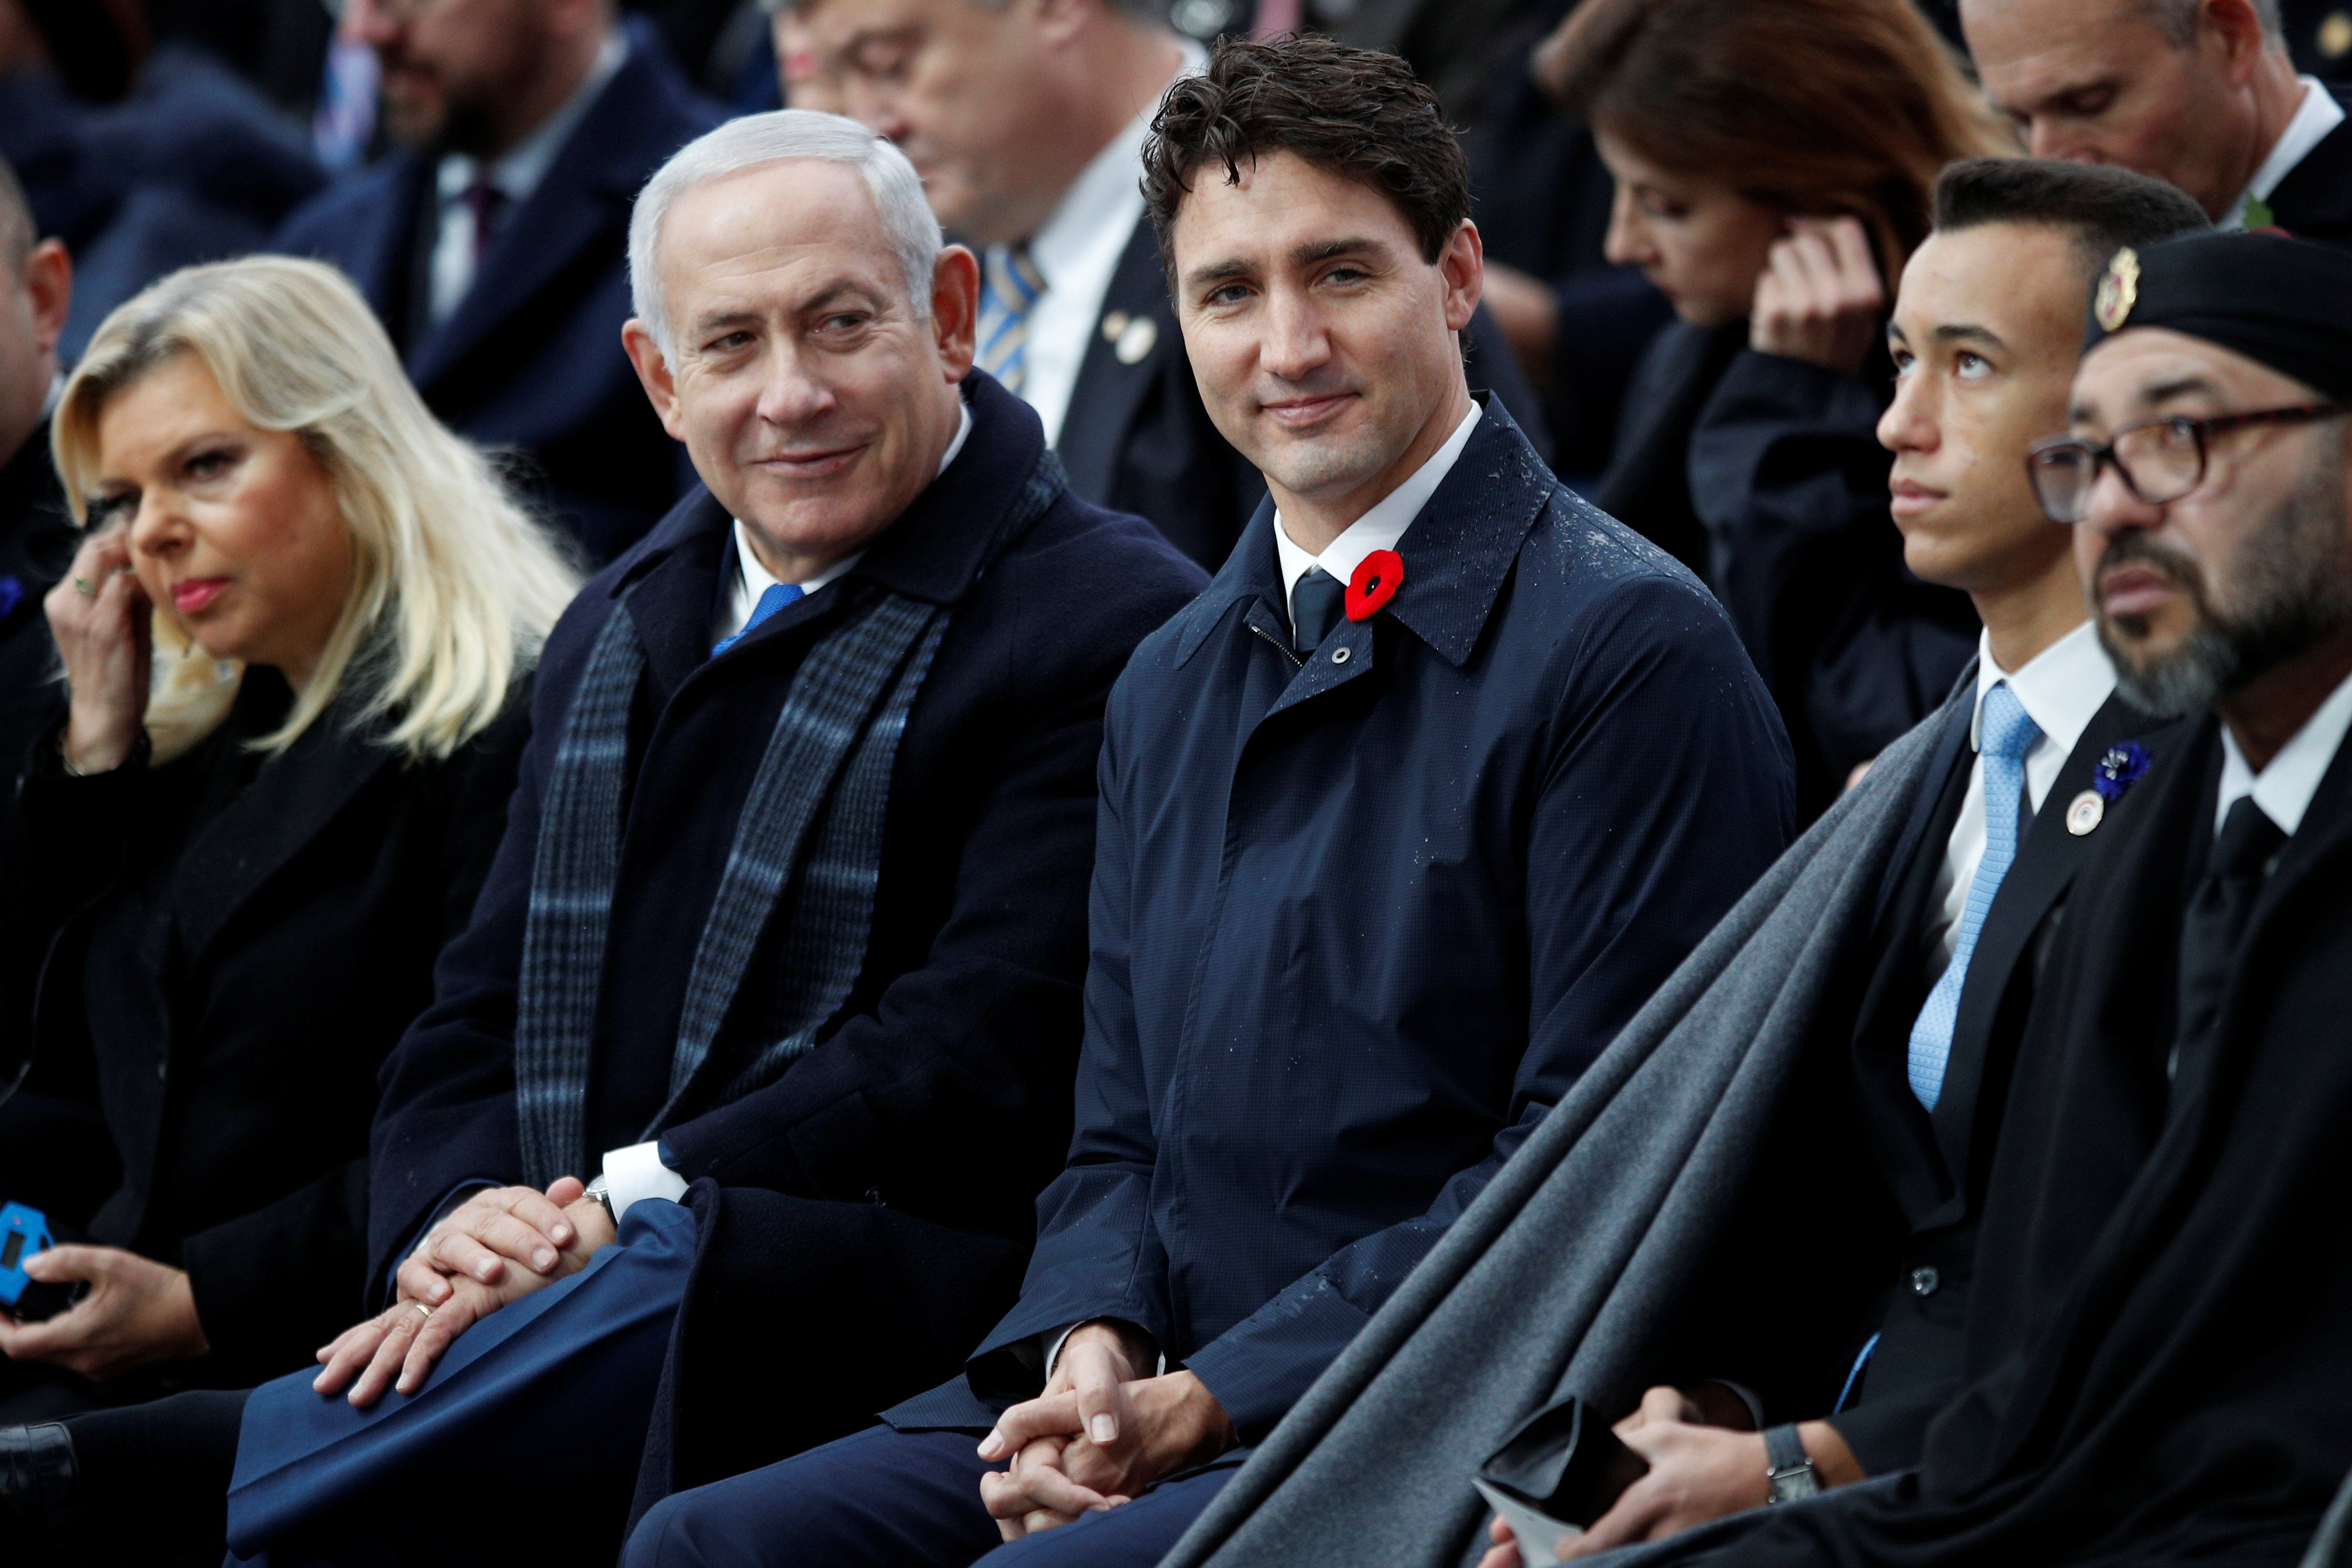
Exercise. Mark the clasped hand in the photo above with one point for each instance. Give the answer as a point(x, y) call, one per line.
point(1103, 1430)
point(494, 1248)
point(139, 1313)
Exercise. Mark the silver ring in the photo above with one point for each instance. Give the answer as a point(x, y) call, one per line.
point(421, 1307)
point(85, 587)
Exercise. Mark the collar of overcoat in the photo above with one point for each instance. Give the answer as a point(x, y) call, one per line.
point(1458, 551)
point(935, 551)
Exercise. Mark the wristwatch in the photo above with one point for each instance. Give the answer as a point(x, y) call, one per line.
point(600, 1189)
point(1788, 1469)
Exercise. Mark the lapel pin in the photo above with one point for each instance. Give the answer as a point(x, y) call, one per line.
point(1375, 583)
point(2118, 770)
point(1113, 323)
point(1135, 340)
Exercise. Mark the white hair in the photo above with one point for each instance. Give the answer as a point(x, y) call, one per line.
point(781, 136)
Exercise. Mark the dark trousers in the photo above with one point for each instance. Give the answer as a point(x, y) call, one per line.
point(885, 1499)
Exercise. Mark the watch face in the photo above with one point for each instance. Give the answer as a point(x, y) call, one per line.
point(1798, 1482)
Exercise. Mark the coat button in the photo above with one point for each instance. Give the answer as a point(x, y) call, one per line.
point(164, 1070)
point(1924, 1282)
point(1338, 656)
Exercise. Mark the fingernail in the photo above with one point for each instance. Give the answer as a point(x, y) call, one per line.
point(544, 1258)
point(989, 1446)
point(483, 1269)
point(562, 1236)
point(1103, 1429)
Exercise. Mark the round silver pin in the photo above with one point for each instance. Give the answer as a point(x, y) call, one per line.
point(1113, 323)
point(1338, 656)
point(1136, 339)
point(2086, 811)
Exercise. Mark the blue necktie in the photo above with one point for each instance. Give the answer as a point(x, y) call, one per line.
point(1010, 286)
point(2006, 733)
point(777, 597)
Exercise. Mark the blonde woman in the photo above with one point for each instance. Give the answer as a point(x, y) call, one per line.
point(296, 643)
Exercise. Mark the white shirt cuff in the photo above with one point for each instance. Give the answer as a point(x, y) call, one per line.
point(637, 1173)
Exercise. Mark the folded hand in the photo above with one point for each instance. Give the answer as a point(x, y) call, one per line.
point(139, 1313)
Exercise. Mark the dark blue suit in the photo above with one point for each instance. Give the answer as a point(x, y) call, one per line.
point(530, 359)
point(1356, 926)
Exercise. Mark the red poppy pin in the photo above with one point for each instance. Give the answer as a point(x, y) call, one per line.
point(1375, 583)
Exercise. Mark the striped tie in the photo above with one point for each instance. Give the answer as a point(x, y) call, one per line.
point(1009, 287)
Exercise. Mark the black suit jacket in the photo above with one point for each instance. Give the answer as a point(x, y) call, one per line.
point(1136, 437)
point(36, 545)
point(237, 944)
point(2315, 200)
point(1935, 1164)
point(530, 360)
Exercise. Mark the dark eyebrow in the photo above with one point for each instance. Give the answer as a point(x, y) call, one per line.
point(2161, 393)
point(1967, 332)
point(1216, 272)
point(1325, 249)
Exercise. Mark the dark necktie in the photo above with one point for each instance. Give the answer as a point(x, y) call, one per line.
point(1315, 601)
point(488, 204)
point(2212, 929)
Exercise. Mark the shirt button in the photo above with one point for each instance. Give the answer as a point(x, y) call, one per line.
point(1338, 656)
point(1924, 1282)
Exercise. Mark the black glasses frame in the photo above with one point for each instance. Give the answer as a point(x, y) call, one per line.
point(2200, 432)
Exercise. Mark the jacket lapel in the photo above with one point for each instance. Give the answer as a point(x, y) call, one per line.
point(2037, 881)
point(290, 800)
point(1110, 387)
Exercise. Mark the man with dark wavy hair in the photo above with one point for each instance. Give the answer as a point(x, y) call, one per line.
point(1401, 820)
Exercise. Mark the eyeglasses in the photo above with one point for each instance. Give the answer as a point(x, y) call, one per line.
point(2159, 462)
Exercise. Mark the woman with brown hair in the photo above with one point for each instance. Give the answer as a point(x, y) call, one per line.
point(1774, 165)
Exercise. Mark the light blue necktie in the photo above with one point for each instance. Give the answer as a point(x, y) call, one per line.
point(778, 595)
point(1010, 285)
point(2005, 733)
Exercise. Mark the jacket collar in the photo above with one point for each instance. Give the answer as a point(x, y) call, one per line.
point(935, 551)
point(1457, 554)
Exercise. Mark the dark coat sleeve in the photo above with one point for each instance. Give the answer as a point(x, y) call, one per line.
point(266, 1268)
point(1787, 473)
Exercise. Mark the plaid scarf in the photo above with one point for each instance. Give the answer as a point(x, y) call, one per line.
point(812, 825)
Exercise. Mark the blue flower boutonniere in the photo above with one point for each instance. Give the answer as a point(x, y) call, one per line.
point(12, 594)
point(2121, 768)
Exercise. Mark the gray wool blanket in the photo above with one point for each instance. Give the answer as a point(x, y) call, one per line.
point(1559, 1277)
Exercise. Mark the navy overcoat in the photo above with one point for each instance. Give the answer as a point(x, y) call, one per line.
point(1356, 924)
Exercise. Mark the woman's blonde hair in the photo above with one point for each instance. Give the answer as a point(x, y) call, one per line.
point(454, 585)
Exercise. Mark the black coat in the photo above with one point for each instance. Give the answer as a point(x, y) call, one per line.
point(2315, 200)
point(238, 942)
point(530, 359)
point(2160, 1339)
point(1359, 923)
point(36, 545)
point(1789, 478)
point(923, 1126)
point(1936, 1164)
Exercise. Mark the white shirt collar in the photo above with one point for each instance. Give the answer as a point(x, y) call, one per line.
point(752, 580)
point(2314, 117)
point(1383, 525)
point(2283, 790)
point(2061, 688)
point(518, 170)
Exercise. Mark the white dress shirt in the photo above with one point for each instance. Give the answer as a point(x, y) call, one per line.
point(2284, 788)
point(2314, 117)
point(1077, 250)
point(1379, 529)
point(516, 174)
point(752, 579)
point(2061, 688)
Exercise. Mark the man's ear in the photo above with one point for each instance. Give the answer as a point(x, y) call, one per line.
point(1462, 265)
point(955, 309)
point(653, 373)
point(2236, 29)
point(48, 283)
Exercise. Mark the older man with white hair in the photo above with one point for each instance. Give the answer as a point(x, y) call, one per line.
point(791, 907)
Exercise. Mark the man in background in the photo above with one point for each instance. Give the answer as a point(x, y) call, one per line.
point(2199, 92)
point(491, 244)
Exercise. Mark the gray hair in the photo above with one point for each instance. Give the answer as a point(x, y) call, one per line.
point(2178, 19)
point(781, 136)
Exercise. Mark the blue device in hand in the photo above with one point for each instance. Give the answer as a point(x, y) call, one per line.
point(24, 1230)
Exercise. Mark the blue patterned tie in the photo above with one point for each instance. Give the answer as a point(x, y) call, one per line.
point(778, 595)
point(1010, 285)
point(2005, 734)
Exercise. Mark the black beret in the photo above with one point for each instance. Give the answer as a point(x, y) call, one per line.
point(2286, 303)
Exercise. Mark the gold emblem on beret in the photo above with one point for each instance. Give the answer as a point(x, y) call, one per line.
point(2118, 290)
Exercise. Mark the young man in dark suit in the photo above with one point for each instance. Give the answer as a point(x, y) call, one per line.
point(2162, 1333)
point(1401, 821)
point(1984, 336)
point(492, 243)
point(2203, 93)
